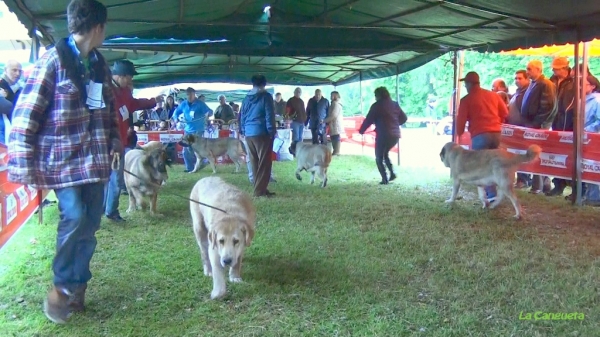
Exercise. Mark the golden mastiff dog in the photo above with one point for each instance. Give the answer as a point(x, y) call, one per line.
point(212, 148)
point(222, 237)
point(313, 158)
point(486, 168)
point(149, 168)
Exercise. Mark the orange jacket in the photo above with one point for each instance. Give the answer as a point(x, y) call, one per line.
point(484, 110)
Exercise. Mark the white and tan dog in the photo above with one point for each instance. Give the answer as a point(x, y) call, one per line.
point(222, 237)
point(313, 158)
point(486, 168)
point(146, 170)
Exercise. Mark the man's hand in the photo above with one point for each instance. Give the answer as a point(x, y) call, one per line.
point(3, 93)
point(116, 146)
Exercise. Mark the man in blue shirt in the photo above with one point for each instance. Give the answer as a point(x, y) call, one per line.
point(194, 113)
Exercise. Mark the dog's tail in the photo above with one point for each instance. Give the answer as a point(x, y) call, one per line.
point(242, 147)
point(533, 152)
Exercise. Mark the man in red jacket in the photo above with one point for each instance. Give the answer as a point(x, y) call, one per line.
point(485, 111)
point(122, 74)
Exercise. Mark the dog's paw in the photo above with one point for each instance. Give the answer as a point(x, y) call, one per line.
point(449, 201)
point(518, 217)
point(235, 279)
point(218, 294)
point(129, 210)
point(158, 215)
point(298, 176)
point(207, 272)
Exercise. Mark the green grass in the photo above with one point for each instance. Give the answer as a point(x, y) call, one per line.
point(354, 259)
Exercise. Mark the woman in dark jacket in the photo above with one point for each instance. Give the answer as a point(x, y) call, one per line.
point(387, 116)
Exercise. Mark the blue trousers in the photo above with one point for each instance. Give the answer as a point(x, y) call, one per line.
point(297, 131)
point(113, 188)
point(80, 210)
point(189, 157)
point(487, 141)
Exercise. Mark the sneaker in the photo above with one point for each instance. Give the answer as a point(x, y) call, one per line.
point(77, 299)
point(392, 176)
point(383, 182)
point(115, 218)
point(532, 191)
point(56, 305)
point(267, 194)
point(491, 199)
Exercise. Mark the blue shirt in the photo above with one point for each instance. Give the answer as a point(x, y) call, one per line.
point(194, 115)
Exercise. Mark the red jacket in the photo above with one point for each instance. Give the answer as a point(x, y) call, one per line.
point(124, 98)
point(484, 110)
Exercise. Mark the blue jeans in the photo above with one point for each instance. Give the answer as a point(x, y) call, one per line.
point(297, 131)
point(80, 210)
point(487, 141)
point(189, 157)
point(113, 188)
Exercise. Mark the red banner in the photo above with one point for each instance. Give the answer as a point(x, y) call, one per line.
point(351, 127)
point(17, 202)
point(557, 155)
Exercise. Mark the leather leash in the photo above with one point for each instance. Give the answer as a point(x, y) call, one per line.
point(177, 195)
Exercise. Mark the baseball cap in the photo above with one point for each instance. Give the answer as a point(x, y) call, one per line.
point(124, 68)
point(560, 63)
point(471, 77)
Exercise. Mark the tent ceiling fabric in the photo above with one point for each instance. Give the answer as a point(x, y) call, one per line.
point(308, 41)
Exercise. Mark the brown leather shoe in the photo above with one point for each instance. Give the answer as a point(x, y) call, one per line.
point(77, 299)
point(56, 305)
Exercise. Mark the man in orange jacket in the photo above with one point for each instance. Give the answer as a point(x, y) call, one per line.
point(485, 111)
point(125, 105)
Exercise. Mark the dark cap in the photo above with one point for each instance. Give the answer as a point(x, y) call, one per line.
point(472, 77)
point(190, 90)
point(124, 68)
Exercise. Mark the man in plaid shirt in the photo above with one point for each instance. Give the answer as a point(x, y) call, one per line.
point(63, 137)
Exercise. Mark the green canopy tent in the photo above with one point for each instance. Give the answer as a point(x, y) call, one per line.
point(310, 41)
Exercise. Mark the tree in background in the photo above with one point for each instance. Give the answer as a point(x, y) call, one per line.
point(433, 82)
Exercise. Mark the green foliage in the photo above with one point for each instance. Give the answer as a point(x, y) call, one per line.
point(434, 79)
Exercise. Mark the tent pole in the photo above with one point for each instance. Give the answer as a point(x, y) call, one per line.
point(576, 132)
point(398, 100)
point(454, 94)
point(360, 91)
point(580, 127)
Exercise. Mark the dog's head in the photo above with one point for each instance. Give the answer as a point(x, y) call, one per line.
point(187, 140)
point(446, 151)
point(230, 237)
point(158, 160)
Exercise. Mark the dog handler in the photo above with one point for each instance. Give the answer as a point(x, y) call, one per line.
point(485, 111)
point(123, 72)
point(63, 137)
point(194, 113)
point(387, 116)
point(257, 125)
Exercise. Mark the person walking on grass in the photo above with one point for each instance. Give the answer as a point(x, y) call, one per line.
point(257, 127)
point(387, 116)
point(63, 138)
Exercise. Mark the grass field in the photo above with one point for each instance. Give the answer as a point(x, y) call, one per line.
point(354, 259)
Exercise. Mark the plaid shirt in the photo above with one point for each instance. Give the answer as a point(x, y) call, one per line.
point(56, 141)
